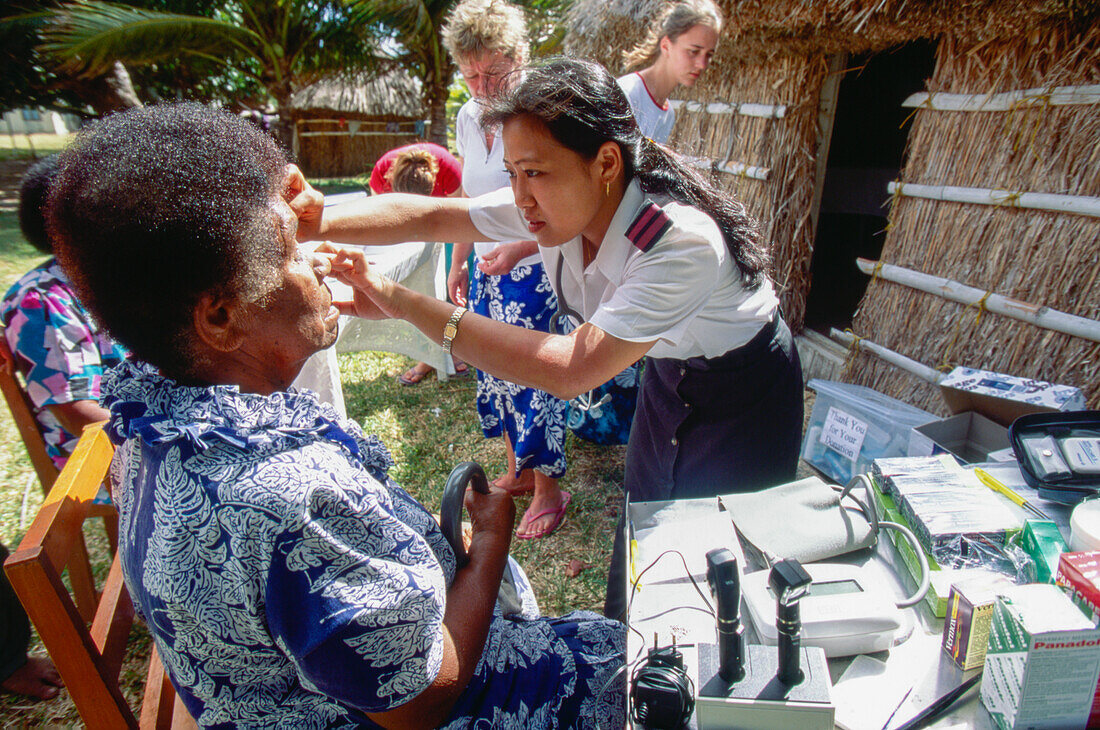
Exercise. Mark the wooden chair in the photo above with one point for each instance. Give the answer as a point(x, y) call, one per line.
point(22, 412)
point(89, 658)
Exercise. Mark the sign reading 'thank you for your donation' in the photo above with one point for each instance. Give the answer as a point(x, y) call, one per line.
point(843, 433)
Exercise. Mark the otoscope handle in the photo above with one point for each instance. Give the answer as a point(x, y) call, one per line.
point(788, 624)
point(725, 586)
point(450, 507)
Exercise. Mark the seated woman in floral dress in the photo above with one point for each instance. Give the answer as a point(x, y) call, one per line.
point(286, 579)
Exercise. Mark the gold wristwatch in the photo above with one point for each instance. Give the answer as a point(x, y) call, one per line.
point(450, 330)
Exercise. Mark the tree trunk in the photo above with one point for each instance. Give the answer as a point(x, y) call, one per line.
point(437, 111)
point(111, 92)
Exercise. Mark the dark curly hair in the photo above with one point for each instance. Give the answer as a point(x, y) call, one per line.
point(583, 107)
point(153, 208)
point(32, 202)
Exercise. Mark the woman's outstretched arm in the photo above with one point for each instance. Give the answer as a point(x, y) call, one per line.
point(562, 365)
point(378, 219)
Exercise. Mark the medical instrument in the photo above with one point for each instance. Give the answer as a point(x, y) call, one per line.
point(846, 609)
point(779, 688)
point(564, 321)
point(789, 582)
point(724, 580)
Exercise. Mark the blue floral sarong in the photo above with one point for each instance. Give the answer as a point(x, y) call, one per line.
point(533, 419)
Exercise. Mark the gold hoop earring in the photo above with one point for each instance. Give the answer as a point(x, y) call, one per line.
point(608, 189)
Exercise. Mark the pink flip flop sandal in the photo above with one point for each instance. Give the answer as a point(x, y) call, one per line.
point(559, 518)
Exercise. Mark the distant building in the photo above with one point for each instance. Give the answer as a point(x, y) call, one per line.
point(39, 121)
point(343, 125)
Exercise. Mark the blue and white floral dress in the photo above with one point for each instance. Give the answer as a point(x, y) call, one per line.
point(533, 419)
point(288, 582)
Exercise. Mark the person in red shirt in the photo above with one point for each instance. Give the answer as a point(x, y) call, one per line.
point(447, 180)
point(422, 169)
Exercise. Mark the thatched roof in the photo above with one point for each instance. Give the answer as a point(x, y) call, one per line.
point(602, 29)
point(394, 95)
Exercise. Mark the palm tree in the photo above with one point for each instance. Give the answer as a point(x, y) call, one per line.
point(414, 26)
point(280, 44)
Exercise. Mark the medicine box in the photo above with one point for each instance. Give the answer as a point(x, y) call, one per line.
point(1042, 662)
point(1003, 398)
point(969, 615)
point(1079, 574)
point(969, 437)
point(851, 425)
point(1044, 544)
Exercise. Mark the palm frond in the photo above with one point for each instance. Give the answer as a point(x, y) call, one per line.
point(91, 36)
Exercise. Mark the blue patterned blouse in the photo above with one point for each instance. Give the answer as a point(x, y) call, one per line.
point(288, 582)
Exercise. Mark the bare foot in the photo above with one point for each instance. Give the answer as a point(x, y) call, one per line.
point(38, 678)
point(524, 485)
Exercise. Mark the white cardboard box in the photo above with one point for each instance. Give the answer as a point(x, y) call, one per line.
point(1004, 398)
point(1042, 662)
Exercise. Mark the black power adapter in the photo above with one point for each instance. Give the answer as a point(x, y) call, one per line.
point(662, 695)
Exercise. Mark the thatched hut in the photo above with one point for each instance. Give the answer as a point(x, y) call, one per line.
point(343, 124)
point(801, 115)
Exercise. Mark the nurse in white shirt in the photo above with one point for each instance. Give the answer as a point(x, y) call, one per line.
point(675, 53)
point(651, 257)
point(488, 41)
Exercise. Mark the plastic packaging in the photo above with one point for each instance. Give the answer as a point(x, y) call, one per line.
point(851, 426)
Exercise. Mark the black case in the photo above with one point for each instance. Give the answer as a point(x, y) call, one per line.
point(1069, 489)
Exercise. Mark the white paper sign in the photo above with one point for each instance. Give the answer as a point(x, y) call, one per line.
point(843, 433)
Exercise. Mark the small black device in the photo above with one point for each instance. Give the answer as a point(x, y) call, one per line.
point(724, 581)
point(662, 696)
point(789, 581)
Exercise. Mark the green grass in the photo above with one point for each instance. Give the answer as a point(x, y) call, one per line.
point(24, 146)
point(429, 429)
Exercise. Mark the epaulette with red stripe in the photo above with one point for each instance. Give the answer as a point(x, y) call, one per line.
point(649, 225)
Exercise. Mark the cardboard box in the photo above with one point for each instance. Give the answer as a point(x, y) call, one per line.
point(1043, 542)
point(1079, 574)
point(969, 615)
point(1004, 398)
point(969, 437)
point(1043, 660)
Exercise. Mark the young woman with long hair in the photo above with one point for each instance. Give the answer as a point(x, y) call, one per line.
point(640, 246)
point(676, 51)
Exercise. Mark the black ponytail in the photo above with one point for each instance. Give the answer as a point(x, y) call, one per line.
point(583, 107)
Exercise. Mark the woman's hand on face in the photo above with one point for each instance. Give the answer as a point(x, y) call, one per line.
point(491, 514)
point(458, 284)
point(306, 202)
point(372, 292)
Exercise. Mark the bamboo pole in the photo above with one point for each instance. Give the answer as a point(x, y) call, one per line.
point(1006, 101)
point(730, 168)
point(1040, 316)
point(745, 109)
point(1076, 204)
point(896, 359)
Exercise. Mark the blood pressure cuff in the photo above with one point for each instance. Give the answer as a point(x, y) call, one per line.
point(803, 520)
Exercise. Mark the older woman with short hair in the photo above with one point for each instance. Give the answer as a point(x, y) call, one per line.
point(488, 41)
point(286, 579)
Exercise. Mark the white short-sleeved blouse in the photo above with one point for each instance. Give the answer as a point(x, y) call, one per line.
point(684, 292)
point(654, 121)
point(482, 167)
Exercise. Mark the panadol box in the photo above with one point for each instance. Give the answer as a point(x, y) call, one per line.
point(1042, 662)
